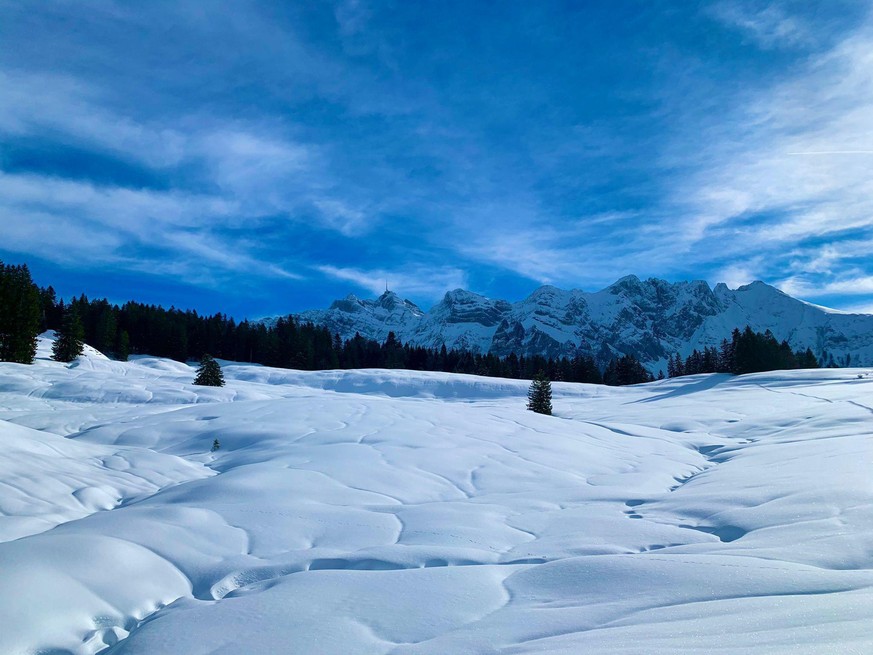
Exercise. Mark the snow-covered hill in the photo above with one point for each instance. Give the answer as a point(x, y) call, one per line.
point(399, 512)
point(651, 319)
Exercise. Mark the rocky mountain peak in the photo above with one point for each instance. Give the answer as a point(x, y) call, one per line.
point(650, 319)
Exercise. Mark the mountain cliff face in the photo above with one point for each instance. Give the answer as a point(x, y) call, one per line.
point(650, 319)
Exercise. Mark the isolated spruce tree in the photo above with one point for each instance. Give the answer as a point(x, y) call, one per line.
point(71, 337)
point(539, 395)
point(216, 445)
point(209, 374)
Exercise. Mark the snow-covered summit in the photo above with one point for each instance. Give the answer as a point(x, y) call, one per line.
point(378, 316)
point(648, 318)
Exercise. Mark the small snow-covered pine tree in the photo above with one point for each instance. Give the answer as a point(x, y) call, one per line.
point(209, 374)
point(539, 395)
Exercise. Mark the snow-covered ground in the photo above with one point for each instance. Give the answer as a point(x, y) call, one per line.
point(399, 512)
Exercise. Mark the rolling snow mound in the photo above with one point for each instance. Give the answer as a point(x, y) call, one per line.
point(398, 512)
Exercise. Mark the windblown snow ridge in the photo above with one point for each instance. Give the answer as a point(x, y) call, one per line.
point(408, 513)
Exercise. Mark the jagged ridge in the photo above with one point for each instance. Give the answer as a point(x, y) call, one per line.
point(650, 319)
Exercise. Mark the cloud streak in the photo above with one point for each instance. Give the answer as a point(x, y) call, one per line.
point(414, 281)
point(786, 170)
point(305, 149)
point(768, 25)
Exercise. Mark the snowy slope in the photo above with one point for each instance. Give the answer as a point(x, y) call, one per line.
point(386, 313)
point(651, 319)
point(401, 512)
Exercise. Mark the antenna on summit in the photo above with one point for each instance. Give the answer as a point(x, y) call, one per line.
point(386, 286)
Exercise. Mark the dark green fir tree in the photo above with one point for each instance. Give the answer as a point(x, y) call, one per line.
point(209, 374)
point(20, 314)
point(122, 348)
point(539, 395)
point(71, 338)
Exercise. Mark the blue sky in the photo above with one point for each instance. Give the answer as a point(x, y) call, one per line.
point(266, 157)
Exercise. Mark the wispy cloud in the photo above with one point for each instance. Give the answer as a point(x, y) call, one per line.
point(752, 198)
point(343, 218)
point(352, 142)
point(76, 224)
point(243, 172)
point(39, 104)
point(862, 308)
point(767, 24)
point(582, 251)
point(739, 273)
point(411, 281)
point(855, 286)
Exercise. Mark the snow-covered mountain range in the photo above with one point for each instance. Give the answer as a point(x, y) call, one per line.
point(651, 319)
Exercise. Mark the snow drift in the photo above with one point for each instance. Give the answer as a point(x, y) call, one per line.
point(400, 512)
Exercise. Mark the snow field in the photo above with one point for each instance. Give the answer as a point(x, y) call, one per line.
point(402, 512)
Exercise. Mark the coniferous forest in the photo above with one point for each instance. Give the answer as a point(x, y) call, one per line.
point(746, 352)
point(185, 335)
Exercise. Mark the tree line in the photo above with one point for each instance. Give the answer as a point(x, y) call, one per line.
point(185, 335)
point(135, 328)
point(746, 352)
